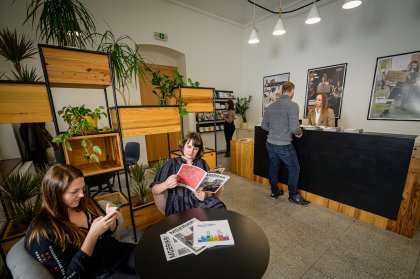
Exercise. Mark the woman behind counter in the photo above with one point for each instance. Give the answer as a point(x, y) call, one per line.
point(321, 114)
point(71, 236)
point(229, 125)
point(171, 199)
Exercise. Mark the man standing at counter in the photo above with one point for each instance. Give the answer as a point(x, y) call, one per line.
point(281, 120)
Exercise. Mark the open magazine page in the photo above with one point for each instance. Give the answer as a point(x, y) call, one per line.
point(212, 233)
point(172, 248)
point(190, 176)
point(213, 182)
point(184, 234)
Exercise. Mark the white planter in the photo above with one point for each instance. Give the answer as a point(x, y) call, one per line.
point(244, 125)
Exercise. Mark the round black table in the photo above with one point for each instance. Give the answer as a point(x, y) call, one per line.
point(248, 258)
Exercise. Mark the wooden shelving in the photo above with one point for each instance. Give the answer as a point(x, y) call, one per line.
point(24, 103)
point(196, 99)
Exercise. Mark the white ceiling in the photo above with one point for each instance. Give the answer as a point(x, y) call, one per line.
point(239, 12)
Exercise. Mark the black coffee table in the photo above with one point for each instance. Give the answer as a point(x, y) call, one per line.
point(248, 258)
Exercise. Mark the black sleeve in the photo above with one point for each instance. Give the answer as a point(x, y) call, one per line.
point(166, 171)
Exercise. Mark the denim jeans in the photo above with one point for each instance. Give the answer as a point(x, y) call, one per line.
point(285, 154)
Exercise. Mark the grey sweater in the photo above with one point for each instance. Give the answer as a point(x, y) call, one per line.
point(281, 120)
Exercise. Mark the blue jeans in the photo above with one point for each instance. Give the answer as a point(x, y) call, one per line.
point(285, 154)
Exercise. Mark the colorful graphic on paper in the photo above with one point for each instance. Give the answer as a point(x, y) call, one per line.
point(209, 237)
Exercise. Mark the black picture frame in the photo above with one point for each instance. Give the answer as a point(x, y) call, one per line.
point(395, 91)
point(272, 89)
point(333, 86)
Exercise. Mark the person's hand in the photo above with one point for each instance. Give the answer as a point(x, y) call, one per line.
point(299, 136)
point(102, 224)
point(109, 209)
point(171, 181)
point(200, 195)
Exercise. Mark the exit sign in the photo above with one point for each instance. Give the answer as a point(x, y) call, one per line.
point(161, 36)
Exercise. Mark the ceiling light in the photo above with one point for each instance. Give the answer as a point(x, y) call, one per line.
point(279, 27)
point(253, 39)
point(313, 16)
point(350, 4)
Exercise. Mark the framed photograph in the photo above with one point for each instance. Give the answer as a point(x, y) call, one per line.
point(396, 88)
point(272, 89)
point(329, 80)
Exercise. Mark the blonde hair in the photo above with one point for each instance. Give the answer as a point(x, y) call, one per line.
point(287, 87)
point(53, 222)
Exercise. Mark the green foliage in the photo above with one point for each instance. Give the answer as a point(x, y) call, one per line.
point(242, 105)
point(157, 166)
point(164, 84)
point(61, 22)
point(125, 61)
point(16, 49)
point(137, 174)
point(192, 83)
point(78, 124)
point(22, 196)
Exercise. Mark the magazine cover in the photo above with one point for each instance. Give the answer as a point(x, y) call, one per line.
point(193, 177)
point(212, 233)
point(172, 248)
point(184, 234)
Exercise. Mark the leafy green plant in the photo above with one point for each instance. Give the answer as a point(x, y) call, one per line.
point(137, 174)
point(16, 49)
point(164, 84)
point(242, 105)
point(75, 117)
point(193, 83)
point(22, 196)
point(61, 22)
point(125, 61)
point(157, 166)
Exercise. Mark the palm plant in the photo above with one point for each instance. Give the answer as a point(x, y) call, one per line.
point(22, 196)
point(125, 60)
point(62, 22)
point(137, 174)
point(157, 166)
point(16, 49)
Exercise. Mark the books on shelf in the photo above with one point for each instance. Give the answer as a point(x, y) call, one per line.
point(212, 233)
point(194, 178)
point(195, 236)
point(219, 94)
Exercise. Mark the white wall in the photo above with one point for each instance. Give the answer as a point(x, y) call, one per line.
point(357, 37)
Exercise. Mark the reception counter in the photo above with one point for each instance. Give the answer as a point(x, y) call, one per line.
point(368, 176)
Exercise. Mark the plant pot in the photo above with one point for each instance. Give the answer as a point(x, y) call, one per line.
point(93, 121)
point(244, 125)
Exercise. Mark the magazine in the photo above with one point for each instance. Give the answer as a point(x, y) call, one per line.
point(173, 249)
point(212, 233)
point(193, 178)
point(184, 234)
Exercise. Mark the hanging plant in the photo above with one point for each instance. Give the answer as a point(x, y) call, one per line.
point(62, 22)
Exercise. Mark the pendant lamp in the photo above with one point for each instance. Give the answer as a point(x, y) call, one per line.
point(350, 4)
point(313, 16)
point(253, 39)
point(279, 27)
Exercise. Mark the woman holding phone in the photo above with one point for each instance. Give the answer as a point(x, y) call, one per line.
point(72, 235)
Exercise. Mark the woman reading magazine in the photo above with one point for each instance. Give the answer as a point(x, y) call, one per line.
point(171, 198)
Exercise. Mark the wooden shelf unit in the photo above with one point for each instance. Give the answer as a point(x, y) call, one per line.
point(196, 99)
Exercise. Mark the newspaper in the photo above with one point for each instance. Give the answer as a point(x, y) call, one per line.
point(212, 233)
point(184, 234)
point(172, 248)
point(194, 178)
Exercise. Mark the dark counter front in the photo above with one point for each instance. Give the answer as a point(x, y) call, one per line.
point(366, 171)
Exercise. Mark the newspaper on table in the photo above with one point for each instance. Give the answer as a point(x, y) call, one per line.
point(212, 233)
point(194, 178)
point(172, 248)
point(184, 234)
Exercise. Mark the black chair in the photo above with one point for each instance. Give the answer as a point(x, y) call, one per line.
point(99, 181)
point(132, 153)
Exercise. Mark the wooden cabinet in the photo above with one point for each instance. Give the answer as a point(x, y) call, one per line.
point(196, 99)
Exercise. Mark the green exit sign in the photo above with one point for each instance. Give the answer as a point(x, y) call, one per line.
point(161, 36)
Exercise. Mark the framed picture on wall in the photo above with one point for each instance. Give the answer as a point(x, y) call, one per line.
point(396, 88)
point(272, 89)
point(329, 80)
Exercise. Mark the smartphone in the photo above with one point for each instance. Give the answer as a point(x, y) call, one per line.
point(118, 207)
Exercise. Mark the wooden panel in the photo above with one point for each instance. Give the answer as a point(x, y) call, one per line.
point(145, 216)
point(24, 103)
point(72, 68)
point(137, 121)
point(242, 158)
point(415, 159)
point(196, 99)
point(209, 156)
point(110, 159)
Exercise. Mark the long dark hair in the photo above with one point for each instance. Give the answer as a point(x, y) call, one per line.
point(231, 105)
point(53, 222)
point(197, 141)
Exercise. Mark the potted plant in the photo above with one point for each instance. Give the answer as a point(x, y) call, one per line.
point(157, 166)
point(241, 106)
point(81, 120)
point(140, 189)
